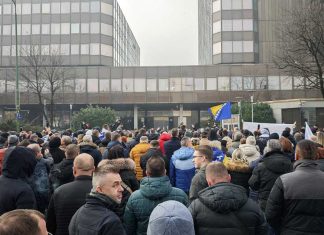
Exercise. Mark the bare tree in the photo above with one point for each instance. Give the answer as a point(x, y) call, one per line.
point(301, 47)
point(45, 73)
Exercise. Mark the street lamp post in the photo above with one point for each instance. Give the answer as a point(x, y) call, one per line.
point(252, 108)
point(71, 106)
point(17, 94)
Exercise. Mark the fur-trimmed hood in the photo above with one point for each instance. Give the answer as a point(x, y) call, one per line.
point(237, 166)
point(122, 163)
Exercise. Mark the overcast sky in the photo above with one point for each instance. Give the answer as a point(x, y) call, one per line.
point(166, 30)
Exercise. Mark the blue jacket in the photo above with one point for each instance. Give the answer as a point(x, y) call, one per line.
point(218, 155)
point(182, 169)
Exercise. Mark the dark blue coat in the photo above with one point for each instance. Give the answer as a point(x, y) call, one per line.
point(182, 169)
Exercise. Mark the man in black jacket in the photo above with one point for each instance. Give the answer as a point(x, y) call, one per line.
point(100, 215)
point(68, 198)
point(296, 202)
point(154, 150)
point(171, 146)
point(223, 208)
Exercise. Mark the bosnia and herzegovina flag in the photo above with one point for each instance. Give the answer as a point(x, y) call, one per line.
point(220, 112)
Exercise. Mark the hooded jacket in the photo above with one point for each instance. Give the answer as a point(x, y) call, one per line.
point(250, 152)
point(240, 173)
point(198, 183)
point(296, 202)
point(153, 190)
point(163, 138)
point(99, 216)
point(225, 209)
point(151, 152)
point(182, 169)
point(273, 164)
point(112, 144)
point(171, 218)
point(92, 149)
point(62, 173)
point(15, 193)
point(135, 154)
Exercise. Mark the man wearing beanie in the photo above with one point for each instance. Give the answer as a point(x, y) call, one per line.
point(170, 218)
point(19, 164)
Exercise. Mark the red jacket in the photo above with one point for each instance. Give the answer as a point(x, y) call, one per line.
point(2, 153)
point(163, 138)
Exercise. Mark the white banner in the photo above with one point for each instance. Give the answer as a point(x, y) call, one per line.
point(273, 127)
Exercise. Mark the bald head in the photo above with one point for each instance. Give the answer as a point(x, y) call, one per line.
point(83, 164)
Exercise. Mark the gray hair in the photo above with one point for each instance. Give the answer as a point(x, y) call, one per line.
point(185, 141)
point(66, 139)
point(273, 145)
point(87, 139)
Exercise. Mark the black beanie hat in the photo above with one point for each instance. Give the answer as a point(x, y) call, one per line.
point(274, 136)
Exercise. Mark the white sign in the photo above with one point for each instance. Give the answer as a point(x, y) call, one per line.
point(273, 127)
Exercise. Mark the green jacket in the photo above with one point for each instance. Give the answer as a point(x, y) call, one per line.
point(198, 183)
point(142, 202)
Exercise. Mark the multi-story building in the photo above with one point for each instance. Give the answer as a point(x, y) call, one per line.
point(90, 32)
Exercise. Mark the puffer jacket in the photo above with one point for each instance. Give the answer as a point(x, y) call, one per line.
point(61, 173)
point(250, 152)
point(182, 169)
point(112, 144)
point(163, 138)
point(136, 153)
point(273, 164)
point(240, 173)
point(296, 201)
point(153, 190)
point(92, 149)
point(198, 183)
point(225, 209)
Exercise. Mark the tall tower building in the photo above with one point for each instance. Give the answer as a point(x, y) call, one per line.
point(205, 31)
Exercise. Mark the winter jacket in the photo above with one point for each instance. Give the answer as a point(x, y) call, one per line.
point(296, 201)
point(170, 146)
point(273, 164)
point(198, 183)
point(112, 144)
point(136, 153)
point(240, 173)
point(250, 152)
point(15, 193)
point(99, 216)
point(151, 152)
point(218, 155)
point(182, 169)
point(262, 143)
point(2, 153)
point(62, 173)
point(91, 149)
point(164, 137)
point(225, 209)
point(57, 154)
point(320, 163)
point(65, 201)
point(142, 202)
point(40, 184)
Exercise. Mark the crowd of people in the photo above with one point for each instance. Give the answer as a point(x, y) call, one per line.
point(207, 181)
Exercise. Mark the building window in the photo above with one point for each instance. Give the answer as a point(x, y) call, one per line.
point(163, 84)
point(248, 83)
point(227, 25)
point(103, 85)
point(46, 8)
point(115, 84)
point(217, 48)
point(26, 29)
point(84, 28)
point(65, 7)
point(6, 50)
point(247, 4)
point(65, 49)
point(92, 85)
point(94, 49)
point(55, 29)
point(55, 49)
point(75, 28)
point(226, 4)
point(95, 7)
point(65, 28)
point(236, 4)
point(151, 84)
point(139, 84)
point(13, 32)
point(227, 46)
point(106, 50)
point(273, 83)
point(216, 6)
point(286, 82)
point(106, 29)
point(11, 86)
point(26, 9)
point(187, 84)
point(45, 49)
point(85, 7)
point(84, 49)
point(261, 83)
point(236, 83)
point(56, 7)
point(36, 8)
point(299, 83)
point(106, 9)
point(247, 25)
point(94, 27)
point(175, 84)
point(211, 84)
point(68, 86)
point(237, 46)
point(237, 25)
point(2, 86)
point(35, 29)
point(216, 27)
point(128, 85)
point(75, 7)
point(247, 46)
point(199, 84)
point(6, 29)
point(75, 49)
point(80, 85)
point(7, 9)
point(223, 83)
point(45, 29)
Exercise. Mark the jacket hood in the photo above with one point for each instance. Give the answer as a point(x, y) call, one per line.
point(155, 187)
point(223, 197)
point(19, 163)
point(277, 162)
point(165, 136)
point(184, 153)
point(171, 218)
point(305, 164)
point(250, 152)
point(237, 166)
point(122, 163)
